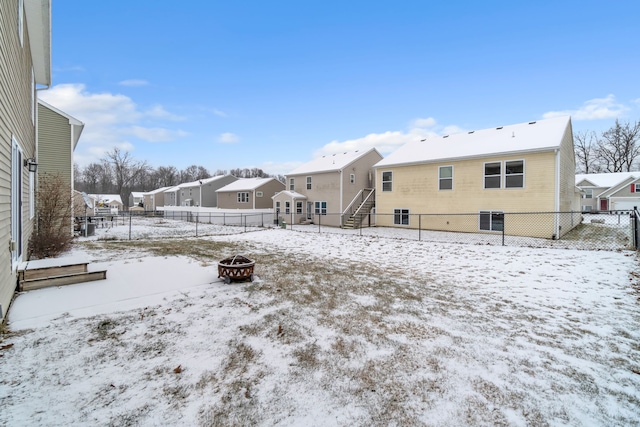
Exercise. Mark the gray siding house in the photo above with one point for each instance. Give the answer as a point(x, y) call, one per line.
point(154, 199)
point(334, 186)
point(202, 192)
point(25, 62)
point(619, 191)
point(249, 193)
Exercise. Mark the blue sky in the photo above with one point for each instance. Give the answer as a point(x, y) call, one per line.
point(272, 84)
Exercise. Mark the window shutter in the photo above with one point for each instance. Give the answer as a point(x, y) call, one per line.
point(633, 188)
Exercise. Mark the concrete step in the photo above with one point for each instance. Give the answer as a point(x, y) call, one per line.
point(61, 280)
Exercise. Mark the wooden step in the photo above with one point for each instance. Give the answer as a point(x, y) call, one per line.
point(61, 270)
point(61, 280)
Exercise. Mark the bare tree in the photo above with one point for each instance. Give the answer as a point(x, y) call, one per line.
point(618, 148)
point(193, 173)
point(125, 170)
point(585, 144)
point(167, 176)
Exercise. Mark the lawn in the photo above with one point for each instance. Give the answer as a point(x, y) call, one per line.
point(337, 330)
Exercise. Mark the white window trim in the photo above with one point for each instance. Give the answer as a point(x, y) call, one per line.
point(318, 209)
point(259, 193)
point(440, 178)
point(383, 181)
point(292, 184)
point(401, 214)
point(242, 198)
point(309, 182)
point(287, 208)
point(588, 193)
point(524, 169)
point(485, 176)
point(491, 213)
point(299, 208)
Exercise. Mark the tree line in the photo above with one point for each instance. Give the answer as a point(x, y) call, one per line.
point(118, 172)
point(616, 149)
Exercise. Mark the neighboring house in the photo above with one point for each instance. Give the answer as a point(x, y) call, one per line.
point(154, 199)
point(601, 192)
point(107, 203)
point(249, 193)
point(136, 198)
point(527, 167)
point(333, 186)
point(58, 135)
point(201, 192)
point(172, 196)
point(25, 62)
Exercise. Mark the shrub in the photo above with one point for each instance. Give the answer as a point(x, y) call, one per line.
point(52, 234)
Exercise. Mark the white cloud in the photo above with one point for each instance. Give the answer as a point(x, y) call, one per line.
point(109, 119)
point(228, 138)
point(133, 82)
point(593, 109)
point(389, 141)
point(220, 113)
point(158, 112)
point(155, 134)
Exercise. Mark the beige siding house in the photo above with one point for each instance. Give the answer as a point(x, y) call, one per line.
point(604, 192)
point(154, 199)
point(25, 62)
point(334, 186)
point(527, 167)
point(249, 193)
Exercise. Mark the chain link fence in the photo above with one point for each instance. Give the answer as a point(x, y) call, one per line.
point(572, 230)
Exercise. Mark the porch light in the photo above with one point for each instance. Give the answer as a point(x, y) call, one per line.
point(31, 164)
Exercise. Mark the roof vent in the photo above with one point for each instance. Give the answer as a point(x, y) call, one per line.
point(446, 136)
point(532, 123)
point(513, 134)
point(498, 128)
point(472, 131)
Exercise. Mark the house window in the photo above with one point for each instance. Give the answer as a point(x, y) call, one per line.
point(445, 175)
point(637, 188)
point(308, 183)
point(298, 207)
point(259, 194)
point(189, 192)
point(401, 216)
point(492, 220)
point(321, 208)
point(277, 207)
point(291, 184)
point(352, 178)
point(287, 208)
point(243, 197)
point(492, 175)
point(182, 193)
point(514, 174)
point(588, 193)
point(387, 181)
point(586, 208)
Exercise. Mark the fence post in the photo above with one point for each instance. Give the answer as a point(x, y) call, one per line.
point(419, 227)
point(635, 228)
point(129, 225)
point(245, 222)
point(319, 221)
point(504, 220)
point(197, 220)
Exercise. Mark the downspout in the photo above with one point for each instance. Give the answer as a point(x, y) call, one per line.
point(341, 194)
point(557, 196)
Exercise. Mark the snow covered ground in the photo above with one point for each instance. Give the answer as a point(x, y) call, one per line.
point(339, 329)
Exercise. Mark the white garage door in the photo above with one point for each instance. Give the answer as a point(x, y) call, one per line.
point(624, 205)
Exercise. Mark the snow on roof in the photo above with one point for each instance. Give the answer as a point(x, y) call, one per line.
point(290, 193)
point(106, 197)
point(606, 180)
point(137, 193)
point(245, 184)
point(199, 182)
point(156, 191)
point(541, 135)
point(330, 162)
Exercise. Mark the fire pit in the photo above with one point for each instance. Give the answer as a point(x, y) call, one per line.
point(236, 268)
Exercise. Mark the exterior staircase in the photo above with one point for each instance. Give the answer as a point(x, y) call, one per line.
point(359, 208)
point(45, 273)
